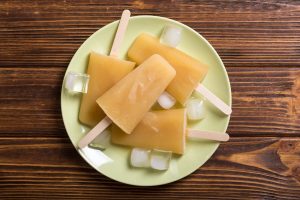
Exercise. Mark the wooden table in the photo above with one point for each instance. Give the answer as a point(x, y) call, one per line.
point(259, 43)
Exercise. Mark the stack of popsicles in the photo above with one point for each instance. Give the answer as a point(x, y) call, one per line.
point(120, 94)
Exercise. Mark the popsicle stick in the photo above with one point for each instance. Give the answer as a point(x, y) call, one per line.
point(223, 137)
point(120, 33)
point(216, 101)
point(90, 136)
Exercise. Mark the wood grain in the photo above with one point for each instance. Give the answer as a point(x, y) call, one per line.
point(258, 42)
point(260, 168)
point(252, 33)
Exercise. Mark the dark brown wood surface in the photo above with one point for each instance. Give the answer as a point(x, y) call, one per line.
point(259, 43)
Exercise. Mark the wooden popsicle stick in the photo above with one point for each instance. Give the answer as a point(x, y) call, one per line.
point(223, 137)
point(216, 101)
point(90, 136)
point(120, 33)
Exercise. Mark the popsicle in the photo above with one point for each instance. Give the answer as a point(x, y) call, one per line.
point(104, 72)
point(189, 71)
point(164, 130)
point(130, 99)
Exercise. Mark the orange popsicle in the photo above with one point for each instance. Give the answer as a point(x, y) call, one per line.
point(189, 71)
point(130, 99)
point(163, 130)
point(104, 72)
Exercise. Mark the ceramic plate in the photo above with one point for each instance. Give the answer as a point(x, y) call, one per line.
point(114, 161)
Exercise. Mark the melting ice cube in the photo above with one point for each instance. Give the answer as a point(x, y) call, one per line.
point(77, 82)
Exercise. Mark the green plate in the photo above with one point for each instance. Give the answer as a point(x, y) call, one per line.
point(114, 161)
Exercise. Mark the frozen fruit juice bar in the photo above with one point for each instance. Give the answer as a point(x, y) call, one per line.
point(130, 99)
point(163, 130)
point(189, 71)
point(104, 72)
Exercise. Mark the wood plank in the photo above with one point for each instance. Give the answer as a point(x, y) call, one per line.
point(246, 34)
point(30, 102)
point(259, 44)
point(260, 168)
point(266, 102)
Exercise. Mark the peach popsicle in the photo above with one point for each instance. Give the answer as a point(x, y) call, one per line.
point(189, 71)
point(163, 130)
point(104, 72)
point(130, 99)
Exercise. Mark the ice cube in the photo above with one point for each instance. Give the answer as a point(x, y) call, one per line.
point(140, 157)
point(171, 35)
point(196, 109)
point(166, 101)
point(102, 141)
point(76, 82)
point(96, 157)
point(160, 160)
